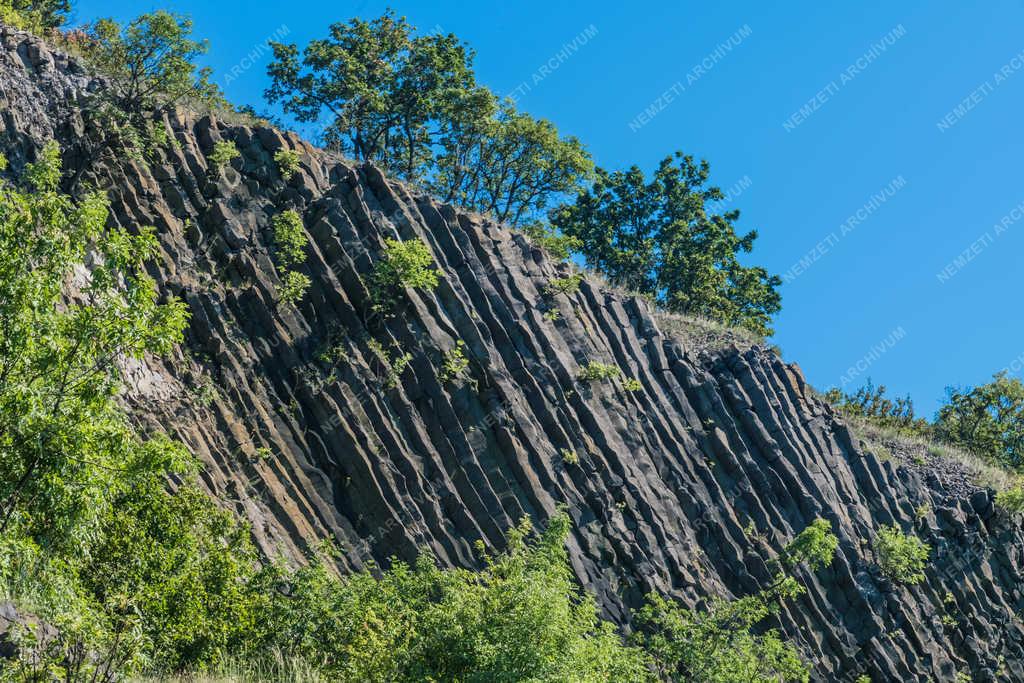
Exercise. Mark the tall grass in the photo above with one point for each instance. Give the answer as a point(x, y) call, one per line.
point(272, 667)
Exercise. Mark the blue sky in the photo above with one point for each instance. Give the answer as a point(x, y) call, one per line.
point(878, 142)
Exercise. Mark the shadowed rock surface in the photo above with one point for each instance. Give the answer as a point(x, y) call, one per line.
point(688, 486)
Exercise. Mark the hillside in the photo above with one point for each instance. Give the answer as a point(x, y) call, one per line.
point(312, 427)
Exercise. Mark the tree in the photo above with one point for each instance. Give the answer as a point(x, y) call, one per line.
point(512, 166)
point(35, 15)
point(987, 419)
point(151, 62)
point(412, 104)
point(901, 557)
point(871, 403)
point(61, 437)
point(657, 238)
point(389, 94)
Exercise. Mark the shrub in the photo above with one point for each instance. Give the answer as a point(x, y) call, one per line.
point(564, 285)
point(901, 557)
point(1011, 499)
point(223, 152)
point(404, 264)
point(293, 286)
point(290, 238)
point(816, 545)
point(595, 371)
point(393, 367)
point(633, 384)
point(569, 456)
point(287, 162)
point(454, 363)
point(558, 245)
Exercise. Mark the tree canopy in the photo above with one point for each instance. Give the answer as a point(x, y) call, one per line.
point(987, 419)
point(658, 238)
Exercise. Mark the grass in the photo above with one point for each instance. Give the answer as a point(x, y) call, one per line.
point(275, 667)
point(918, 450)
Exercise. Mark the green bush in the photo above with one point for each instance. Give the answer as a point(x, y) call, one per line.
point(1011, 499)
point(564, 285)
point(632, 384)
point(293, 286)
point(287, 162)
point(595, 371)
point(454, 363)
point(403, 265)
point(816, 545)
point(290, 238)
point(223, 152)
point(901, 557)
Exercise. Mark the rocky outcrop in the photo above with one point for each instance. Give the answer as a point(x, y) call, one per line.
point(326, 420)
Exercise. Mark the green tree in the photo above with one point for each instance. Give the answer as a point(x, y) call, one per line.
point(61, 437)
point(389, 94)
point(35, 15)
point(512, 166)
point(656, 237)
point(152, 62)
point(871, 403)
point(987, 419)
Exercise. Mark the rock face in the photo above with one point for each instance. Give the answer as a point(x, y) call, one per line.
point(327, 420)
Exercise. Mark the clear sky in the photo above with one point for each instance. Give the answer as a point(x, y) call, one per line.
point(876, 141)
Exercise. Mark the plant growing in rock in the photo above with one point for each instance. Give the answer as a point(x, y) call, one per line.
point(557, 245)
point(564, 285)
point(223, 152)
point(403, 265)
point(569, 456)
point(454, 362)
point(595, 371)
point(816, 545)
point(901, 557)
point(290, 238)
point(393, 367)
point(293, 286)
point(287, 162)
point(632, 384)
point(1011, 499)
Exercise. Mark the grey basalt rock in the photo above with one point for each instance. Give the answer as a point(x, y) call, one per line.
point(689, 486)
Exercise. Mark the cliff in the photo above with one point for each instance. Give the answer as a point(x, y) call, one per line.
point(688, 486)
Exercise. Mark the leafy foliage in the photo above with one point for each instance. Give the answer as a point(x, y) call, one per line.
point(871, 403)
point(223, 152)
point(293, 286)
point(151, 61)
point(901, 557)
point(287, 162)
point(595, 371)
point(412, 104)
point(290, 238)
point(717, 645)
point(512, 167)
point(34, 15)
point(569, 284)
point(1011, 499)
point(657, 238)
point(987, 419)
point(454, 362)
point(403, 265)
point(816, 545)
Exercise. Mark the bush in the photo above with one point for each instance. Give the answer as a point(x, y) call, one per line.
point(293, 286)
point(632, 384)
point(595, 371)
point(223, 152)
point(287, 162)
point(290, 238)
point(34, 15)
point(1011, 499)
point(816, 545)
point(454, 364)
point(564, 285)
point(901, 557)
point(404, 264)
